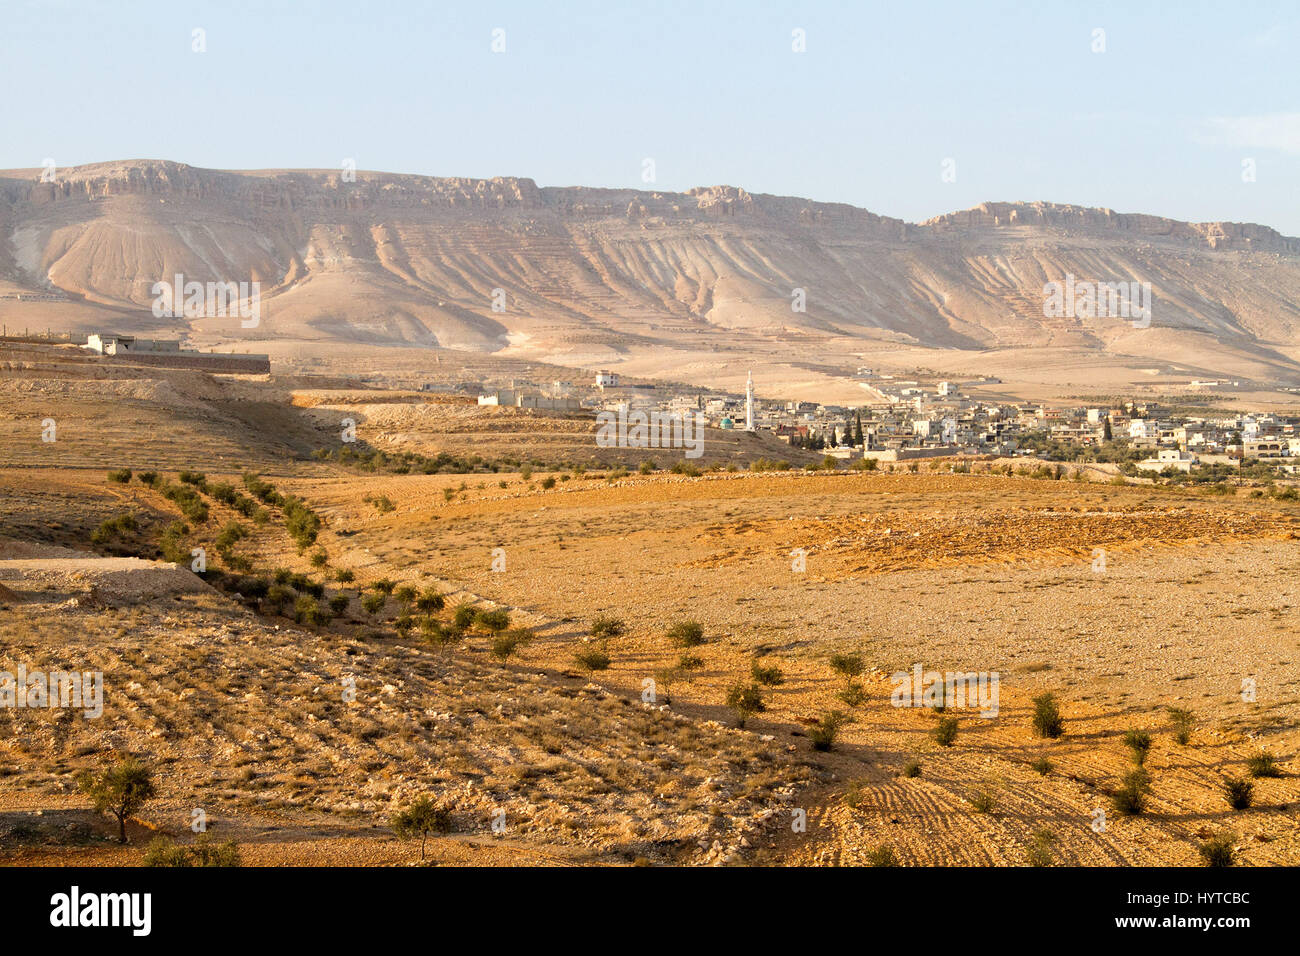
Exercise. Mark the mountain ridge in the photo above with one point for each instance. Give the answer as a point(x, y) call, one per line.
point(651, 278)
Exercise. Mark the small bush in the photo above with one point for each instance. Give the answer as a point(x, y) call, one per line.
point(202, 852)
point(1130, 799)
point(686, 634)
point(745, 700)
point(1182, 721)
point(339, 603)
point(854, 695)
point(983, 800)
point(603, 626)
point(1263, 764)
point(1239, 792)
point(1219, 850)
point(847, 666)
point(882, 856)
point(823, 734)
point(503, 645)
point(405, 594)
point(1047, 720)
point(945, 733)
point(592, 658)
point(307, 611)
point(912, 767)
point(548, 483)
point(463, 616)
point(384, 586)
point(770, 676)
point(1139, 744)
point(1043, 766)
point(430, 600)
point(120, 476)
point(373, 603)
point(1041, 849)
point(344, 576)
point(494, 621)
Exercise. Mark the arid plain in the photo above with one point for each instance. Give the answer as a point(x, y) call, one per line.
point(547, 750)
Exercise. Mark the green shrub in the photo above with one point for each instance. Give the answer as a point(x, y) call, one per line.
point(319, 558)
point(1131, 798)
point(690, 662)
point(422, 818)
point(430, 600)
point(1263, 764)
point(493, 621)
point(745, 700)
point(770, 676)
point(344, 576)
point(1219, 850)
point(945, 732)
point(1239, 792)
point(847, 666)
point(912, 767)
point(405, 594)
point(685, 634)
point(307, 611)
point(384, 586)
point(1041, 849)
point(120, 476)
point(202, 852)
point(983, 800)
point(603, 626)
point(1043, 766)
point(548, 483)
point(882, 855)
point(1139, 743)
point(339, 603)
point(825, 731)
point(1047, 721)
point(854, 695)
point(592, 658)
point(1182, 721)
point(464, 615)
point(505, 644)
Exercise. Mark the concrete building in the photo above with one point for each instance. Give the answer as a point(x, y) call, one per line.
point(167, 353)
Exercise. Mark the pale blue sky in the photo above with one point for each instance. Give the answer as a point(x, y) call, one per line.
point(712, 91)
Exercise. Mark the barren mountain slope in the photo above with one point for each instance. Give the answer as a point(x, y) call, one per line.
point(592, 276)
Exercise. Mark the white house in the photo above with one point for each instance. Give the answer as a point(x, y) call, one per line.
point(606, 378)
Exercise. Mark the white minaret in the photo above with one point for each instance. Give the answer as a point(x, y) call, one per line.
point(749, 403)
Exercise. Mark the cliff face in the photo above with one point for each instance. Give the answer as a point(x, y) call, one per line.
point(500, 263)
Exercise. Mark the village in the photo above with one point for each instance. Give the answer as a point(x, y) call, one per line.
point(915, 420)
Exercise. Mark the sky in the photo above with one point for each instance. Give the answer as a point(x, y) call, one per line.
point(911, 109)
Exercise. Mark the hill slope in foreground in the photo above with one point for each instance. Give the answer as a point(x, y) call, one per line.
point(698, 285)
